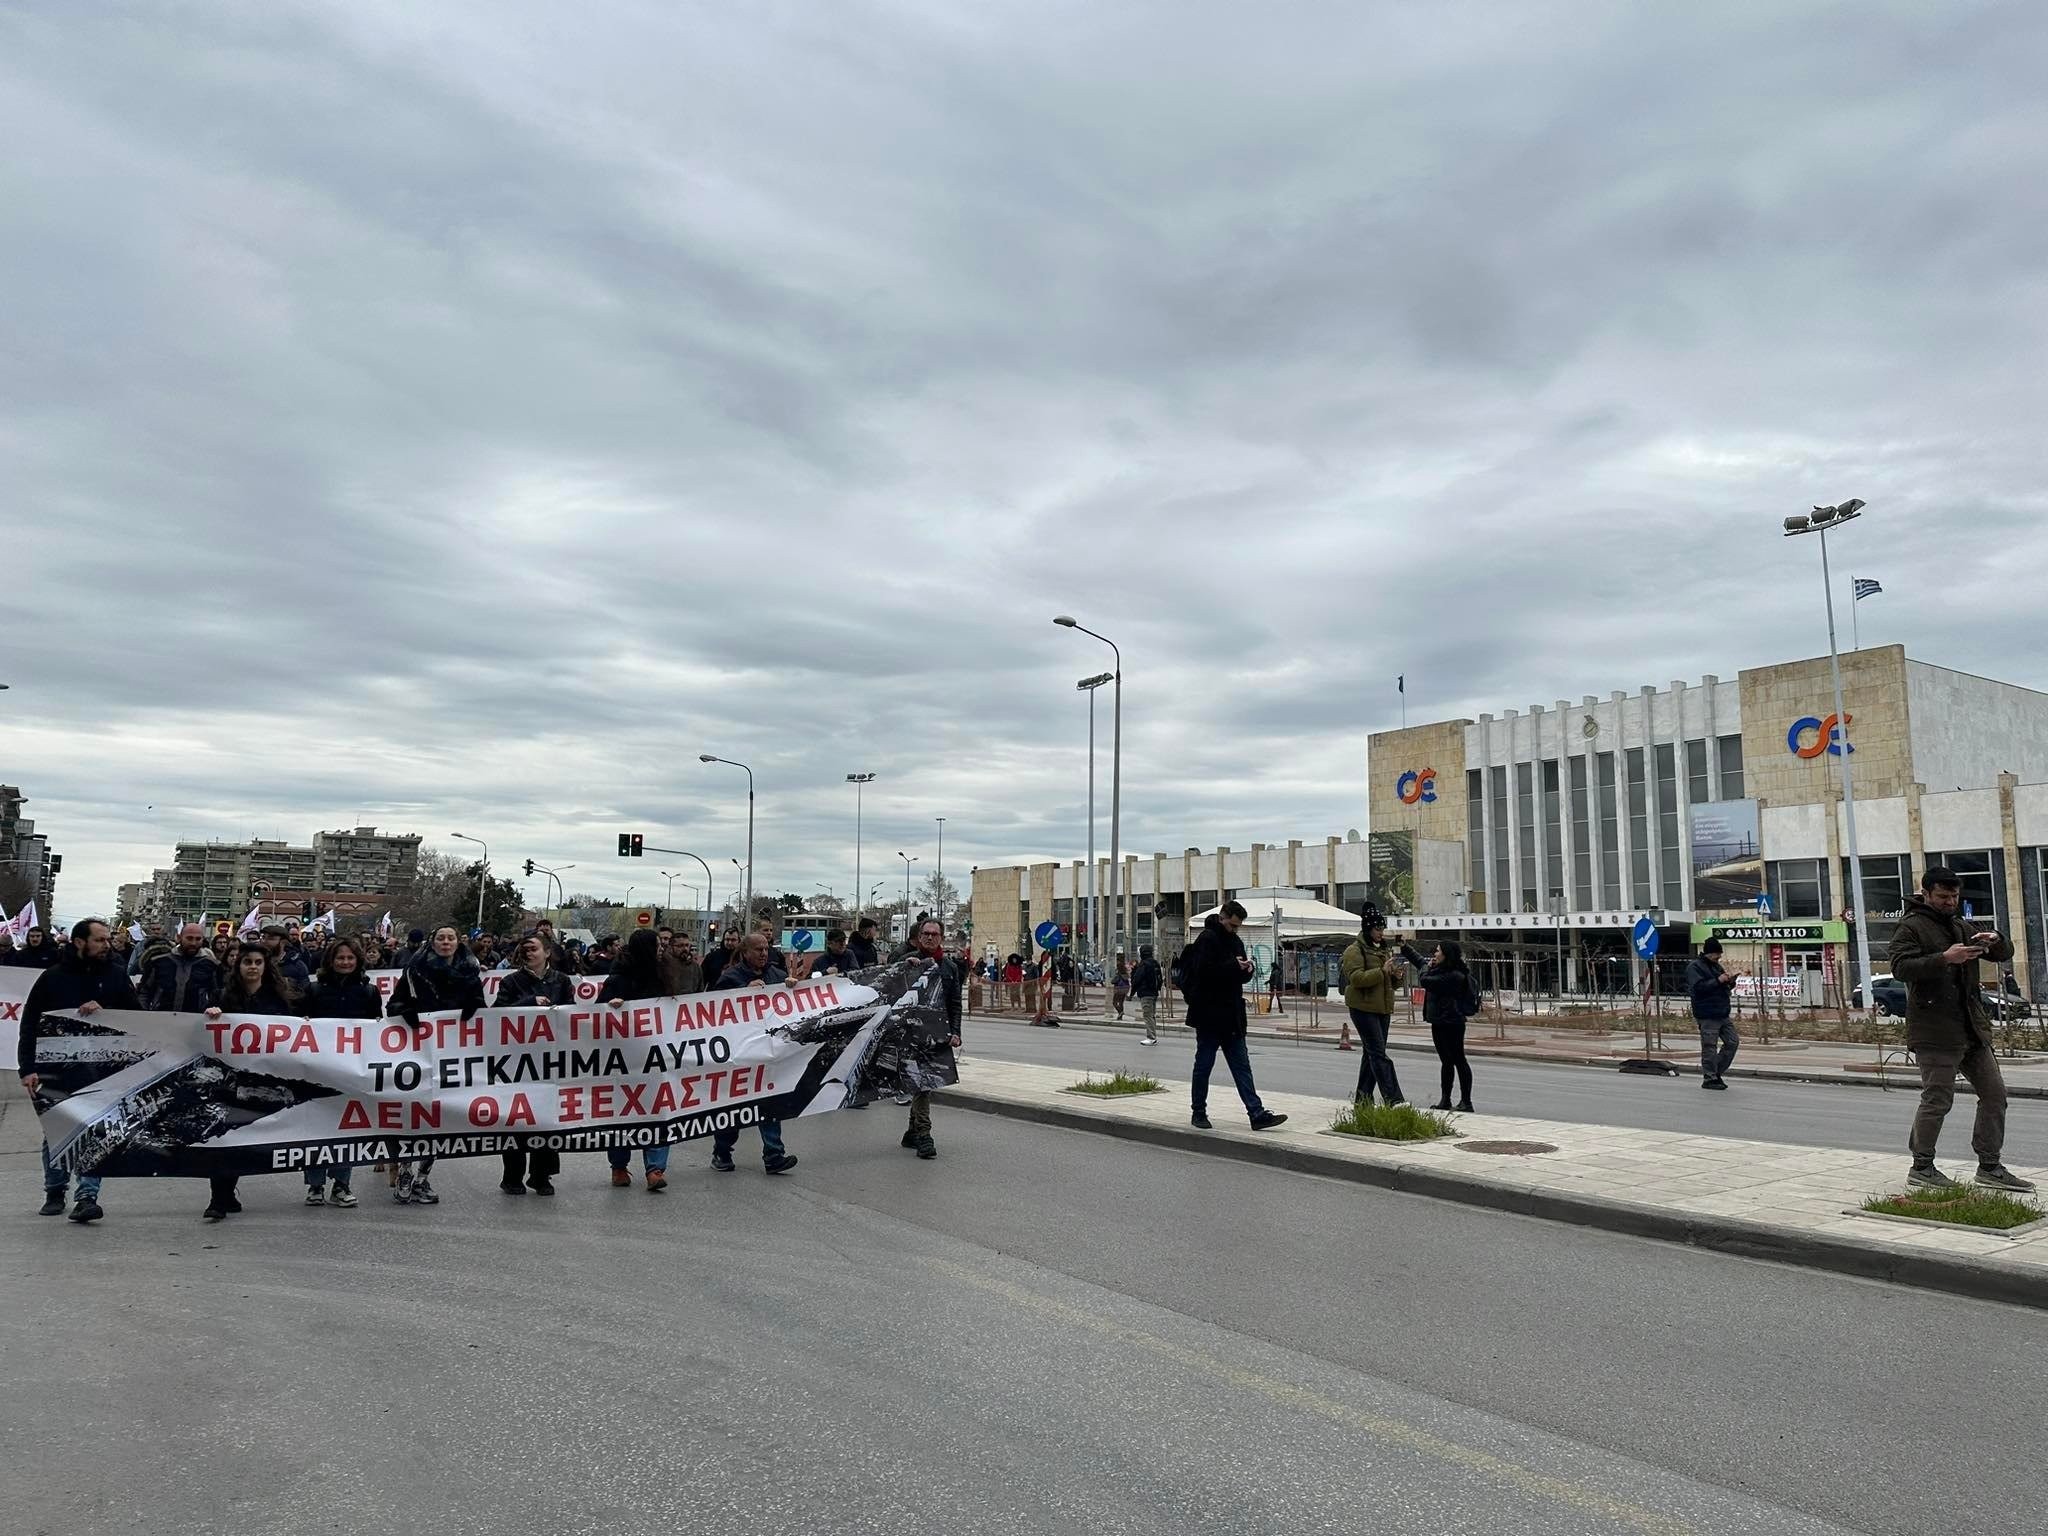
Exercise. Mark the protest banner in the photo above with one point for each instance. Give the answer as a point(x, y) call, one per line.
point(127, 1093)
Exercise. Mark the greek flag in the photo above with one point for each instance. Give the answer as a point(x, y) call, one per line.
point(1865, 587)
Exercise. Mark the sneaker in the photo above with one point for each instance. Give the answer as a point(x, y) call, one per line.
point(927, 1148)
point(657, 1181)
point(402, 1190)
point(1201, 1122)
point(1927, 1176)
point(342, 1196)
point(88, 1209)
point(909, 1142)
point(1267, 1120)
point(53, 1203)
point(1996, 1176)
point(1345, 1045)
point(232, 1206)
point(542, 1187)
point(316, 1194)
point(622, 1178)
point(1712, 1082)
point(782, 1162)
point(423, 1193)
point(1147, 1042)
point(512, 1186)
point(721, 1162)
point(213, 1213)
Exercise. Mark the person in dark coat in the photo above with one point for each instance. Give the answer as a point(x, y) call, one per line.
point(341, 990)
point(39, 954)
point(1449, 998)
point(1710, 986)
point(930, 942)
point(83, 982)
point(180, 980)
point(442, 977)
point(255, 986)
point(1147, 981)
point(1214, 970)
point(755, 967)
point(866, 951)
point(638, 974)
point(536, 982)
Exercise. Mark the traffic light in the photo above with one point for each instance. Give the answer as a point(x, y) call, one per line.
point(306, 908)
point(630, 845)
point(529, 869)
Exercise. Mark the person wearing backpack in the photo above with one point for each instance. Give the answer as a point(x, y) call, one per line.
point(1449, 999)
point(1146, 982)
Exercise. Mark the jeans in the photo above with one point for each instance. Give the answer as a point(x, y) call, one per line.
point(1449, 1040)
point(655, 1158)
point(1717, 1046)
point(1239, 1060)
point(316, 1178)
point(1938, 1091)
point(771, 1139)
point(1377, 1069)
point(1149, 1007)
point(56, 1180)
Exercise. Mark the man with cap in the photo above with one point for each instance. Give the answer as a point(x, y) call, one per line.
point(1709, 984)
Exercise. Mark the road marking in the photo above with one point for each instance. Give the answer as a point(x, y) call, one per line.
point(1395, 1431)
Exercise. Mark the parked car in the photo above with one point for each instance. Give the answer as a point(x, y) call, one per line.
point(1890, 992)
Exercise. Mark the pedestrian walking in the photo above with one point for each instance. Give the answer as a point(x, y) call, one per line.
point(1449, 998)
point(756, 967)
point(641, 972)
point(1711, 986)
point(1936, 953)
point(537, 982)
point(1013, 980)
point(929, 943)
point(442, 977)
point(1147, 980)
point(342, 989)
point(255, 986)
point(1370, 968)
point(1215, 969)
point(1120, 985)
point(83, 982)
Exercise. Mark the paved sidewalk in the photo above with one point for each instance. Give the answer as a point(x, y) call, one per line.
point(1791, 1060)
point(1765, 1200)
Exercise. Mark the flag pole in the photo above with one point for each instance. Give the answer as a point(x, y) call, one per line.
point(1855, 616)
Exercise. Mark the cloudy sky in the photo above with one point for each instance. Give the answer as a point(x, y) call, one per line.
point(458, 417)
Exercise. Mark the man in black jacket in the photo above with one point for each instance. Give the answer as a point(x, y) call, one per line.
point(862, 945)
point(1214, 970)
point(1709, 984)
point(1936, 953)
point(83, 982)
point(181, 980)
point(930, 944)
point(755, 967)
point(1146, 982)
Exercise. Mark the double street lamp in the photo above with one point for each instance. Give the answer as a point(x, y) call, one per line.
point(860, 782)
point(1820, 520)
point(483, 873)
point(1116, 769)
point(747, 910)
point(908, 860)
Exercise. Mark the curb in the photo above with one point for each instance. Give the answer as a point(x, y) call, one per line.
point(1952, 1276)
point(1832, 1078)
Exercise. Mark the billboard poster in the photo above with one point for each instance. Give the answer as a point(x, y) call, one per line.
point(1727, 854)
point(1390, 876)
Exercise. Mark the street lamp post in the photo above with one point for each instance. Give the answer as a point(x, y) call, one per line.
point(747, 910)
point(860, 782)
point(1116, 769)
point(483, 873)
point(556, 876)
point(939, 883)
point(1088, 685)
point(908, 860)
point(670, 899)
point(1819, 521)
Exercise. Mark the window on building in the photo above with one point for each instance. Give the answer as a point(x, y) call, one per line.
point(1983, 877)
point(1501, 898)
point(1886, 879)
point(1475, 834)
point(1798, 887)
point(1204, 900)
point(1610, 831)
point(1352, 895)
point(1525, 846)
point(1698, 790)
point(1672, 871)
point(1582, 839)
point(1731, 767)
point(1063, 910)
point(1638, 829)
point(1553, 834)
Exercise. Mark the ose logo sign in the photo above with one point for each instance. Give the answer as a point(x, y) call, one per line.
point(1810, 737)
point(1413, 787)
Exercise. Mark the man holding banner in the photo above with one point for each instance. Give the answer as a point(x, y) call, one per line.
point(83, 982)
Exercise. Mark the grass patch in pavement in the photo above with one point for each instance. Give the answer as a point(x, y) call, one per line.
point(1117, 1084)
point(1392, 1122)
point(1964, 1206)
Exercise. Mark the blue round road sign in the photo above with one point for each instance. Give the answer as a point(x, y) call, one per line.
point(1048, 935)
point(801, 939)
point(1644, 937)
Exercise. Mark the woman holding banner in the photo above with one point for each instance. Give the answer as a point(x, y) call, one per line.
point(537, 983)
point(255, 987)
point(442, 977)
point(342, 990)
point(637, 974)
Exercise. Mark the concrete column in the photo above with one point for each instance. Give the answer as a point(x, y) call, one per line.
point(1293, 860)
point(1624, 830)
point(1713, 730)
point(1915, 840)
point(1513, 894)
point(1485, 898)
point(1589, 747)
point(1258, 874)
point(2015, 923)
point(1653, 794)
point(1221, 854)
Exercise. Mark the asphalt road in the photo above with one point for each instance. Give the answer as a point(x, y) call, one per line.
point(1042, 1332)
point(1754, 1109)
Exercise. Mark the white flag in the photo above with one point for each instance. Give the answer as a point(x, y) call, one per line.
point(384, 927)
point(135, 932)
point(252, 925)
point(24, 920)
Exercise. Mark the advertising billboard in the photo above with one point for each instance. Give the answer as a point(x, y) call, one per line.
point(1727, 857)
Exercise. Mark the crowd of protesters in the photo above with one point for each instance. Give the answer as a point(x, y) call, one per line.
point(285, 968)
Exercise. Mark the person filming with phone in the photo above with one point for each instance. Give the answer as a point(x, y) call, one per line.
point(1935, 952)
